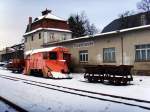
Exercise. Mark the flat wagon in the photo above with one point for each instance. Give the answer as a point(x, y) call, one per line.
point(109, 73)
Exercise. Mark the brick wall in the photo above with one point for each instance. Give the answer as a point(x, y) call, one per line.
point(48, 23)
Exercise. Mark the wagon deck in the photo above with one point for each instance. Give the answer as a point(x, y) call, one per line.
point(108, 73)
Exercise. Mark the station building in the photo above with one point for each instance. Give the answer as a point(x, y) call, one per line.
point(125, 46)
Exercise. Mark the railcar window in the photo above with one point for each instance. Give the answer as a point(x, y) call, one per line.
point(53, 55)
point(45, 55)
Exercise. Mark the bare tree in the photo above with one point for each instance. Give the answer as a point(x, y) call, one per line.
point(144, 5)
point(126, 13)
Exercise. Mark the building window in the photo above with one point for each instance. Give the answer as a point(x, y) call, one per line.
point(32, 38)
point(39, 35)
point(51, 36)
point(142, 52)
point(64, 37)
point(26, 39)
point(143, 20)
point(109, 55)
point(83, 56)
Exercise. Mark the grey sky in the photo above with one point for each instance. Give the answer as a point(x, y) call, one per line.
point(15, 13)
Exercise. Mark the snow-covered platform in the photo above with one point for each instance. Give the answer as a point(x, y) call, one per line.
point(37, 99)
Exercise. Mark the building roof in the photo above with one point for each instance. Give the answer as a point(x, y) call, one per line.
point(48, 29)
point(127, 22)
point(105, 34)
point(47, 21)
point(49, 16)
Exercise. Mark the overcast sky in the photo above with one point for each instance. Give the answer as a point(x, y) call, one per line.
point(15, 13)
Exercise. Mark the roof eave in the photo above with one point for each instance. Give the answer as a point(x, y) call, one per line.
point(47, 29)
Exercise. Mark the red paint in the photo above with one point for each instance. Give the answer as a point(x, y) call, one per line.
point(45, 61)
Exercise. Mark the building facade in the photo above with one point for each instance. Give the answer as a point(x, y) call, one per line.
point(124, 47)
point(45, 29)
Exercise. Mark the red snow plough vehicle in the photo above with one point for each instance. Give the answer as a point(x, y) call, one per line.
point(50, 62)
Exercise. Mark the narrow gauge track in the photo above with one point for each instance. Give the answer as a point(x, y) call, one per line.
point(94, 95)
point(13, 105)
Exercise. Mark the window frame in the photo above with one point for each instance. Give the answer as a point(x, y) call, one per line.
point(113, 59)
point(140, 49)
point(64, 36)
point(55, 55)
point(85, 56)
point(26, 40)
point(51, 36)
point(32, 38)
point(40, 35)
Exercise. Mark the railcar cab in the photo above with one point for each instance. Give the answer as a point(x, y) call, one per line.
point(57, 60)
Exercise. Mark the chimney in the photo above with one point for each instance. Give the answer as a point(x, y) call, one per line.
point(30, 20)
point(45, 12)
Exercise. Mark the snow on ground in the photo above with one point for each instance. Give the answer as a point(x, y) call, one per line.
point(139, 88)
point(37, 99)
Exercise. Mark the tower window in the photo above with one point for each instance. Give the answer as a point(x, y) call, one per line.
point(32, 38)
point(39, 35)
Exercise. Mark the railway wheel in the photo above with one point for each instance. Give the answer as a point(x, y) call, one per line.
point(124, 82)
point(90, 79)
point(49, 74)
point(101, 80)
point(111, 81)
point(95, 79)
point(117, 82)
point(13, 71)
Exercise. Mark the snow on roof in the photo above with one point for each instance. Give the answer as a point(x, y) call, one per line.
point(85, 37)
point(50, 16)
point(106, 33)
point(135, 28)
point(49, 29)
point(40, 50)
point(124, 30)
